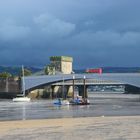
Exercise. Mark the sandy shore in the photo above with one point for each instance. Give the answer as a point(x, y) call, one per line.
point(92, 128)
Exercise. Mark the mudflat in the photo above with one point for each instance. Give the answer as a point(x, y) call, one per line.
point(88, 128)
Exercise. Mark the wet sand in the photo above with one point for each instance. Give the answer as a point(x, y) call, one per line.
point(91, 128)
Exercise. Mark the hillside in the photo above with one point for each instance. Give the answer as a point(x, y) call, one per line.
point(16, 70)
point(38, 71)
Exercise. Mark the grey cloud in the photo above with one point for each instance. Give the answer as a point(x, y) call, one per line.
point(104, 48)
point(10, 31)
point(106, 39)
point(94, 32)
point(54, 27)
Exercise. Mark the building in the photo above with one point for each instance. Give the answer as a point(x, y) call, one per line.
point(62, 64)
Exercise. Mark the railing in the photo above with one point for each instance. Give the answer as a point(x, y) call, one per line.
point(87, 82)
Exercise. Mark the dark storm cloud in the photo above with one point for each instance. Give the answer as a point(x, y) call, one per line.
point(94, 32)
point(53, 27)
point(9, 31)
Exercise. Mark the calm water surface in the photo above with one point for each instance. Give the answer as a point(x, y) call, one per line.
point(101, 105)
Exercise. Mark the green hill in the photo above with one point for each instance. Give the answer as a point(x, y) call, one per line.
point(15, 71)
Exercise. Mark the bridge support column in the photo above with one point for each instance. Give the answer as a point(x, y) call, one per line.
point(65, 91)
point(86, 92)
point(56, 91)
point(70, 91)
point(52, 92)
point(83, 90)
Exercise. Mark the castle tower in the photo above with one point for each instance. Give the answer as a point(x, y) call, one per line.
point(62, 64)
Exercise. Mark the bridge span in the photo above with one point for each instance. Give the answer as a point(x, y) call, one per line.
point(34, 82)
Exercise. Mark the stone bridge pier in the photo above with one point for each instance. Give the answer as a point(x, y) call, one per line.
point(59, 91)
point(82, 90)
point(66, 91)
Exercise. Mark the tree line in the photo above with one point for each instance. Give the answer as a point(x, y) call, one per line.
point(5, 74)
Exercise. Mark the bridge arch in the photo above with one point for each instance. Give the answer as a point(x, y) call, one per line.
point(33, 82)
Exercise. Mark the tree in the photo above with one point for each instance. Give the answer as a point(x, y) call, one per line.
point(49, 70)
point(5, 75)
point(27, 72)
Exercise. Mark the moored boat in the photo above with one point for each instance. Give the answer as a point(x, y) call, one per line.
point(61, 102)
point(79, 101)
point(22, 97)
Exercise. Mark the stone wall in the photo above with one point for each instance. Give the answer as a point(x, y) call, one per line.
point(9, 87)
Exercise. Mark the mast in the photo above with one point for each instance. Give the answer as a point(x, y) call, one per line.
point(23, 81)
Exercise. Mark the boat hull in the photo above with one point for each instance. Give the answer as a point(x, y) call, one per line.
point(79, 102)
point(61, 102)
point(21, 99)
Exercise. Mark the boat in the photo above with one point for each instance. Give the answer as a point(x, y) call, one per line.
point(22, 97)
point(79, 101)
point(61, 102)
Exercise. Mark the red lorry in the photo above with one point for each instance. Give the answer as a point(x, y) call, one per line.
point(94, 70)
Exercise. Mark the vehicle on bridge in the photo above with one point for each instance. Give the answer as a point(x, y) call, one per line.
point(94, 70)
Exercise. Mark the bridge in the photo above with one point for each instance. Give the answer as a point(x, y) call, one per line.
point(133, 79)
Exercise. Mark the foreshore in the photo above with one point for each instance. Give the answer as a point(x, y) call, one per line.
point(91, 128)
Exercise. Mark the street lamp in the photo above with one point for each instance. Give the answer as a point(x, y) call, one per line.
point(84, 77)
point(84, 82)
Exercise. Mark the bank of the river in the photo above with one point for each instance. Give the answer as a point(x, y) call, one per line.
point(97, 128)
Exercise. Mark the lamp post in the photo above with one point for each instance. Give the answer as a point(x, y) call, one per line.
point(73, 86)
point(84, 82)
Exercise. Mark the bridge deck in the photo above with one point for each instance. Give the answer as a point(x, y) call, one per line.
point(33, 82)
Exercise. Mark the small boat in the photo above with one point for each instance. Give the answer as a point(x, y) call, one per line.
point(65, 102)
point(22, 98)
point(61, 102)
point(79, 101)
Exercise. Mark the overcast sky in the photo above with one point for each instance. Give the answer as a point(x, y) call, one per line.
point(94, 32)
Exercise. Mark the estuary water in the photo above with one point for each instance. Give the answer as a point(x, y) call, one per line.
point(105, 104)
